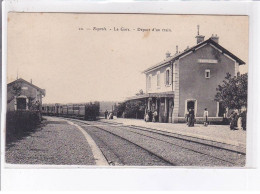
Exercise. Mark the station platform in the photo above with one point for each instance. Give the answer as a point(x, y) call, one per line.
point(218, 133)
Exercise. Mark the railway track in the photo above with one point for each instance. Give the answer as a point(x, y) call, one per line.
point(198, 151)
point(211, 143)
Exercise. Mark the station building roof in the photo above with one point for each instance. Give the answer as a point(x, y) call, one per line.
point(178, 55)
point(20, 80)
point(152, 95)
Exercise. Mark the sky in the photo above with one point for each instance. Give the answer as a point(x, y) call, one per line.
point(65, 54)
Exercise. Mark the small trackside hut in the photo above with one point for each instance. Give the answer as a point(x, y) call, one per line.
point(188, 80)
point(24, 96)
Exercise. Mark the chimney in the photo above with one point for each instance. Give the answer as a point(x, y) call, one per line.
point(215, 38)
point(200, 38)
point(186, 48)
point(31, 81)
point(176, 49)
point(168, 54)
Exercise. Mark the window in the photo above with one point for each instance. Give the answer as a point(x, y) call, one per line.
point(158, 78)
point(149, 82)
point(167, 79)
point(207, 73)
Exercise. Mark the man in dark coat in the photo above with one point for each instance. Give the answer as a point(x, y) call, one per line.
point(191, 118)
point(233, 120)
point(106, 112)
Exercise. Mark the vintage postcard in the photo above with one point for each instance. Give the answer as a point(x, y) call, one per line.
point(126, 89)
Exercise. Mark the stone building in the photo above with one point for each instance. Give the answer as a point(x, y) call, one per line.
point(189, 79)
point(23, 95)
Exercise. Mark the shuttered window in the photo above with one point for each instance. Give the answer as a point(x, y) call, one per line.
point(158, 79)
point(167, 77)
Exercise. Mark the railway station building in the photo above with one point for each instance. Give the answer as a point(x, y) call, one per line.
point(23, 95)
point(189, 79)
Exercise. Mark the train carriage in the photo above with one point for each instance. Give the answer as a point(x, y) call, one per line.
point(86, 111)
point(64, 110)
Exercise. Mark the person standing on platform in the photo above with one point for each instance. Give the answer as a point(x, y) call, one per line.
point(187, 116)
point(233, 120)
point(191, 118)
point(106, 112)
point(155, 114)
point(205, 115)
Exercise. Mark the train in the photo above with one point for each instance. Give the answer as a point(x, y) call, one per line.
point(85, 111)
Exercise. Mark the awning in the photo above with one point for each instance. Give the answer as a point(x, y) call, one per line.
point(152, 95)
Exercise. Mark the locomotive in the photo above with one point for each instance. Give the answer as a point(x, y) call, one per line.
point(85, 111)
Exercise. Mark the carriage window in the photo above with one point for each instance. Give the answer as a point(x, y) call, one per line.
point(207, 73)
point(75, 107)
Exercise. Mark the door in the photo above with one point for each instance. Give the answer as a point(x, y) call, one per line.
point(222, 110)
point(21, 103)
point(190, 105)
point(170, 110)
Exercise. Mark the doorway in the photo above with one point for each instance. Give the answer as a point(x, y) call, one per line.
point(221, 110)
point(21, 103)
point(191, 104)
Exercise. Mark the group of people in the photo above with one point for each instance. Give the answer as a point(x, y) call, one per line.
point(234, 120)
point(151, 116)
point(190, 118)
point(237, 121)
point(108, 115)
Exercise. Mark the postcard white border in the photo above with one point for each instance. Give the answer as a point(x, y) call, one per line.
point(143, 178)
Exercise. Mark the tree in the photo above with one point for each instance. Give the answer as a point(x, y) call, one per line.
point(119, 109)
point(135, 109)
point(16, 91)
point(233, 92)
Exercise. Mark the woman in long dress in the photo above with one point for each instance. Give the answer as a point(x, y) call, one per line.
point(191, 118)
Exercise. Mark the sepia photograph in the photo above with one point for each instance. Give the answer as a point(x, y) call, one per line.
point(139, 90)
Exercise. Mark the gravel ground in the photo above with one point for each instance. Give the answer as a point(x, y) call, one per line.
point(56, 142)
